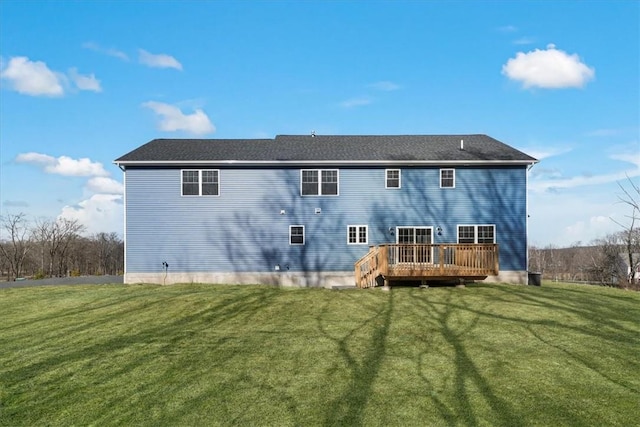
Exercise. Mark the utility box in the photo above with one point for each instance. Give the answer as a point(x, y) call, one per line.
point(535, 279)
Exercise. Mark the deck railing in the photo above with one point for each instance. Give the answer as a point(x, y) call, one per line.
point(441, 261)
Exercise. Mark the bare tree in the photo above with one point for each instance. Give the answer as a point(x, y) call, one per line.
point(56, 238)
point(606, 266)
point(108, 251)
point(630, 235)
point(18, 244)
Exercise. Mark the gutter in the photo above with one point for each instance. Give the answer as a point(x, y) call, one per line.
point(125, 163)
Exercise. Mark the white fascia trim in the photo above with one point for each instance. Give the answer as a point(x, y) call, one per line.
point(327, 162)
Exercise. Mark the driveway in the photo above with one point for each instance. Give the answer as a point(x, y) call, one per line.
point(82, 280)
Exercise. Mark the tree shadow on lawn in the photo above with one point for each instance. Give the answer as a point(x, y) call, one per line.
point(607, 318)
point(441, 317)
point(596, 321)
point(348, 408)
point(150, 344)
point(600, 320)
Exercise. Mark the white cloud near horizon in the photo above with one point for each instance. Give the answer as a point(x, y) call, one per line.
point(106, 51)
point(544, 185)
point(101, 209)
point(548, 69)
point(63, 165)
point(105, 185)
point(160, 60)
point(99, 213)
point(633, 158)
point(172, 119)
point(32, 78)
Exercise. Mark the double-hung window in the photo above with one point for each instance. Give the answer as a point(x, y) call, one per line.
point(392, 178)
point(197, 182)
point(447, 178)
point(476, 234)
point(319, 182)
point(357, 235)
point(296, 234)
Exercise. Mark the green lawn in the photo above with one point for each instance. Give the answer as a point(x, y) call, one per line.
point(251, 355)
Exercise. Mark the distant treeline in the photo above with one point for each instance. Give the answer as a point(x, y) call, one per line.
point(56, 248)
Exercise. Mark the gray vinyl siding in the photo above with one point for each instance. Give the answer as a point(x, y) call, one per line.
point(243, 230)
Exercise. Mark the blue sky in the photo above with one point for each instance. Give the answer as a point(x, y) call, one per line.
point(82, 83)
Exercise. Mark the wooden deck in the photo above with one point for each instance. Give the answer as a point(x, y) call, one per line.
point(426, 262)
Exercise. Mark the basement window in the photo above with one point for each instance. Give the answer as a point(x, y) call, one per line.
point(296, 234)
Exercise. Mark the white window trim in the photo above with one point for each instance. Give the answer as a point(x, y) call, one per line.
point(199, 183)
point(454, 177)
point(358, 227)
point(319, 172)
point(475, 232)
point(415, 227)
point(304, 236)
point(386, 179)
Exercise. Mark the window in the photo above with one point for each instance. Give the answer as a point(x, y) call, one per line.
point(319, 182)
point(357, 235)
point(296, 234)
point(486, 234)
point(447, 178)
point(466, 234)
point(476, 234)
point(393, 178)
point(200, 183)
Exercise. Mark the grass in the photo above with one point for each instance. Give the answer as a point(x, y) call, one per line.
point(251, 355)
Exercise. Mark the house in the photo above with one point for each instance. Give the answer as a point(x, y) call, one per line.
point(302, 210)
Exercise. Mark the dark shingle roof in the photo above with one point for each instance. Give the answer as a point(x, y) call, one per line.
point(328, 148)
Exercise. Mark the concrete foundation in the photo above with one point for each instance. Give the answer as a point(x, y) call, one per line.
point(327, 279)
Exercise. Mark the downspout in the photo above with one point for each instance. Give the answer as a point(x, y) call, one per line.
point(527, 217)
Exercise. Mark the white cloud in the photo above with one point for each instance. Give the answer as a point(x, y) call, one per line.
point(549, 69)
point(15, 203)
point(633, 158)
point(604, 132)
point(581, 181)
point(158, 60)
point(524, 40)
point(545, 153)
point(107, 51)
point(63, 165)
point(578, 215)
point(84, 82)
point(356, 102)
point(105, 185)
point(172, 119)
point(508, 29)
point(589, 229)
point(385, 85)
point(99, 213)
point(32, 77)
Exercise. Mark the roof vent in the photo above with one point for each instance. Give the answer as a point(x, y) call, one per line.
point(462, 144)
point(313, 134)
